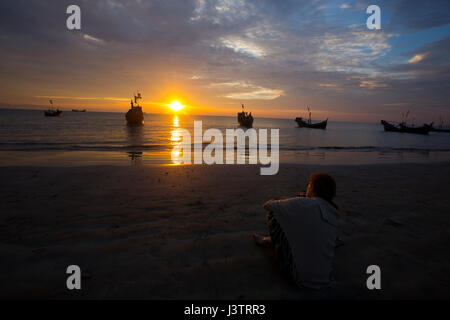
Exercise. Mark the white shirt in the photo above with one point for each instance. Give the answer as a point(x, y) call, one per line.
point(310, 226)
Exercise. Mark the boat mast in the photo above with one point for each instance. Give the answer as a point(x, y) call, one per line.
point(309, 119)
point(51, 104)
point(406, 117)
point(137, 98)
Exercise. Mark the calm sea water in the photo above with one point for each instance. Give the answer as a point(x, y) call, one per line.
point(29, 138)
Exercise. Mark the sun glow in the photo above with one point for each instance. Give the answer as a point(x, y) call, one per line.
point(176, 106)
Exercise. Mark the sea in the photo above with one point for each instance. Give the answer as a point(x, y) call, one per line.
point(28, 138)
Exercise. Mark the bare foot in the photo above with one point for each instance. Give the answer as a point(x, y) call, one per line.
point(262, 241)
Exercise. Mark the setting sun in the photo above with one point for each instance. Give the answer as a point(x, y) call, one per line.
point(176, 106)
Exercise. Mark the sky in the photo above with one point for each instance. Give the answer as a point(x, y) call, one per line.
point(275, 56)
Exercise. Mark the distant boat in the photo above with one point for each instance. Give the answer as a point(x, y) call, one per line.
point(245, 119)
point(308, 124)
point(402, 127)
point(52, 112)
point(135, 116)
point(304, 124)
point(441, 127)
point(76, 110)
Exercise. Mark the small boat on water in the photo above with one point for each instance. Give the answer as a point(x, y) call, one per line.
point(245, 119)
point(440, 129)
point(309, 124)
point(135, 116)
point(52, 112)
point(402, 127)
point(76, 110)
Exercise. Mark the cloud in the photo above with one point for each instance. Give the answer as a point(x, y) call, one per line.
point(345, 6)
point(429, 62)
point(91, 38)
point(243, 47)
point(350, 51)
point(372, 84)
point(417, 58)
point(419, 14)
point(222, 11)
point(258, 94)
point(246, 91)
point(83, 98)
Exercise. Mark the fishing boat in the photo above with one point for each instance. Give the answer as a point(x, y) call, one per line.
point(52, 112)
point(245, 119)
point(402, 127)
point(441, 127)
point(309, 124)
point(135, 116)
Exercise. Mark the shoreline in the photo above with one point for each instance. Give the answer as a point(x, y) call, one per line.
point(184, 232)
point(53, 158)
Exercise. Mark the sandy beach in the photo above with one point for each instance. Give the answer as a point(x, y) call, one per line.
point(167, 232)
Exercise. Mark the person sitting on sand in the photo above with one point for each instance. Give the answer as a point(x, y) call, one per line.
point(303, 232)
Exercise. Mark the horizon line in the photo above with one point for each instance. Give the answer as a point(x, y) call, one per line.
point(180, 114)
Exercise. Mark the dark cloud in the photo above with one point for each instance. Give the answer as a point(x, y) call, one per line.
point(419, 14)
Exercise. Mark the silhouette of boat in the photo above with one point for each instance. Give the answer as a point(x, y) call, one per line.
point(135, 116)
point(52, 112)
point(245, 119)
point(308, 124)
point(440, 129)
point(402, 127)
point(76, 110)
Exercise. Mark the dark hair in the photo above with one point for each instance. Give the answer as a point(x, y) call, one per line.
point(323, 186)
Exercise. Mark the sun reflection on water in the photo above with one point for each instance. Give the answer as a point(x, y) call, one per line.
point(176, 122)
point(176, 139)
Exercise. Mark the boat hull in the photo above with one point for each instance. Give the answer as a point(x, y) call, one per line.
point(425, 129)
point(135, 116)
point(440, 130)
point(304, 124)
point(51, 113)
point(245, 120)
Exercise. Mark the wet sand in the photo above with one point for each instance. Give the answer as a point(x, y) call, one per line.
point(165, 232)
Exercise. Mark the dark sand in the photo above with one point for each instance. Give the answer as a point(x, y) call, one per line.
point(185, 232)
